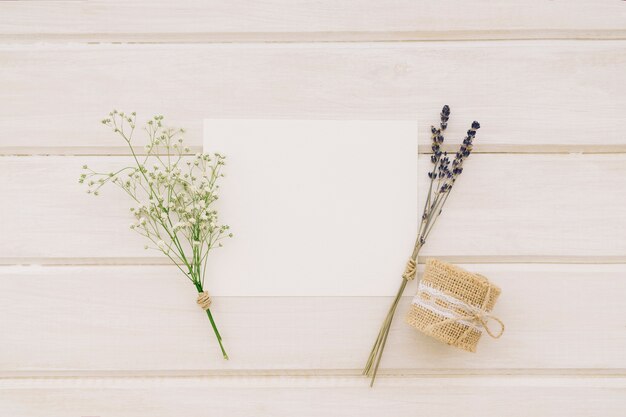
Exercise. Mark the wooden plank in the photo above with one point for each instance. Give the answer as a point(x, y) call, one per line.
point(529, 96)
point(140, 320)
point(511, 206)
point(287, 396)
point(306, 20)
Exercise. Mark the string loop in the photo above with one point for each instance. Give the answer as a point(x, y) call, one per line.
point(204, 300)
point(477, 316)
point(410, 270)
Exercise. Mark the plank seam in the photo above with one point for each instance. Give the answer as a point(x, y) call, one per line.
point(317, 373)
point(589, 149)
point(158, 261)
point(317, 37)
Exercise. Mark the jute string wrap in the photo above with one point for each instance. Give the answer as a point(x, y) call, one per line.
point(204, 300)
point(454, 306)
point(410, 270)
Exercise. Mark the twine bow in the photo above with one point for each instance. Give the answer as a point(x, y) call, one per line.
point(477, 316)
point(204, 300)
point(410, 270)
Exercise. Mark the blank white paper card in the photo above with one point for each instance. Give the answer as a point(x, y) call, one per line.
point(317, 207)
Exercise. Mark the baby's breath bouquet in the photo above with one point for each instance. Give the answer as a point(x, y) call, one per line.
point(173, 195)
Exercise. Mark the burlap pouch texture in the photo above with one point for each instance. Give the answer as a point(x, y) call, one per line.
point(472, 289)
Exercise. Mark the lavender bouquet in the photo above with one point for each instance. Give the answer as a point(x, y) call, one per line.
point(443, 174)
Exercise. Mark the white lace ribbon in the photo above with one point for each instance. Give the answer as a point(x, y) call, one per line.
point(455, 309)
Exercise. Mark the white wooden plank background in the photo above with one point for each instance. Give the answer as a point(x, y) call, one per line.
point(572, 98)
point(280, 396)
point(509, 205)
point(93, 326)
point(143, 318)
point(306, 20)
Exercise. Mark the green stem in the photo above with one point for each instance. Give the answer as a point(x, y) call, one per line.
point(198, 285)
point(217, 333)
point(379, 346)
point(373, 362)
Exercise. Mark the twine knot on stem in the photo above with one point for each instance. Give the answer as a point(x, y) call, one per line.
point(204, 300)
point(410, 270)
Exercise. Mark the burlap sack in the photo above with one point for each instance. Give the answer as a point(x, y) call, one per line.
point(454, 305)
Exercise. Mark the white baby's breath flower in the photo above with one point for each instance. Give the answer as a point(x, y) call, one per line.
point(173, 203)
